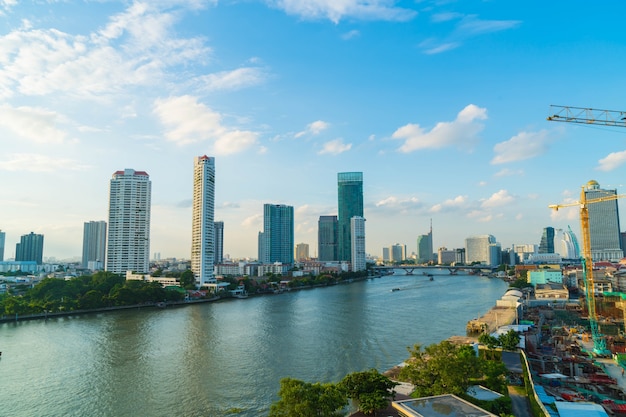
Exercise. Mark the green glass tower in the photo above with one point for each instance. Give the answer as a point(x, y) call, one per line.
point(350, 204)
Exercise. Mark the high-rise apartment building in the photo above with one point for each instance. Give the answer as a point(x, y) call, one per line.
point(276, 239)
point(327, 235)
point(128, 242)
point(604, 228)
point(203, 224)
point(547, 240)
point(350, 204)
point(219, 242)
point(302, 251)
point(94, 244)
point(357, 241)
point(398, 252)
point(30, 248)
point(2, 238)
point(482, 249)
point(425, 247)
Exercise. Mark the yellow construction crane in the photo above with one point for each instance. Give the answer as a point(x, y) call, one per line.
point(586, 115)
point(599, 343)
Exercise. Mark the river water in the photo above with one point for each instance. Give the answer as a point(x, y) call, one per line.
point(226, 358)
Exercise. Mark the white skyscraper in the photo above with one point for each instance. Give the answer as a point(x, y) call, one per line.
point(203, 226)
point(357, 228)
point(128, 243)
point(94, 244)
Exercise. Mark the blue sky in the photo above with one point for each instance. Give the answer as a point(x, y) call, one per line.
point(441, 104)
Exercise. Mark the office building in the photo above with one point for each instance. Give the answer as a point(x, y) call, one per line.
point(604, 228)
point(128, 234)
point(219, 243)
point(386, 254)
point(302, 251)
point(425, 247)
point(94, 244)
point(357, 241)
point(276, 239)
point(2, 238)
point(398, 252)
point(203, 222)
point(483, 250)
point(547, 240)
point(445, 256)
point(350, 204)
point(30, 248)
point(327, 238)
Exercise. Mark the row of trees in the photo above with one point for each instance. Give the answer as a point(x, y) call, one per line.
point(369, 390)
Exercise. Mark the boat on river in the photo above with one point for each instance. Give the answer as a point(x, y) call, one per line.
point(395, 289)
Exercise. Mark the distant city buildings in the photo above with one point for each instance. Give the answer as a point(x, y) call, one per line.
point(482, 249)
point(350, 204)
point(604, 228)
point(94, 245)
point(2, 238)
point(276, 239)
point(357, 241)
point(128, 242)
point(327, 238)
point(425, 247)
point(30, 248)
point(203, 224)
point(302, 252)
point(397, 252)
point(219, 242)
point(445, 256)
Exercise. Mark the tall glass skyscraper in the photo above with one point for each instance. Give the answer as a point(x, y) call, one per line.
point(350, 204)
point(128, 243)
point(219, 242)
point(2, 237)
point(604, 229)
point(94, 244)
point(276, 239)
point(203, 225)
point(357, 229)
point(30, 248)
point(327, 238)
point(425, 250)
point(547, 240)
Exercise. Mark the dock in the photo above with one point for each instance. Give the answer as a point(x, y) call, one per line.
point(491, 320)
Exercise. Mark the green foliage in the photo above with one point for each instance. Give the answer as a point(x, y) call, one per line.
point(520, 282)
point(369, 389)
point(302, 399)
point(187, 280)
point(509, 340)
point(490, 341)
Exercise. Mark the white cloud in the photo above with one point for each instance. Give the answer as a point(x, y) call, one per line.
point(188, 121)
point(462, 132)
point(232, 80)
point(314, 128)
point(450, 204)
point(335, 10)
point(252, 221)
point(508, 173)
point(30, 162)
point(612, 161)
point(350, 35)
point(335, 147)
point(472, 25)
point(35, 124)
point(498, 199)
point(524, 145)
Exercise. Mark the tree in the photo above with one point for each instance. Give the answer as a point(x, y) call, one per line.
point(490, 341)
point(302, 399)
point(369, 389)
point(187, 280)
point(509, 340)
point(444, 368)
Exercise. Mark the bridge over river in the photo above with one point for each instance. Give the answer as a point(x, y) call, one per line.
point(427, 269)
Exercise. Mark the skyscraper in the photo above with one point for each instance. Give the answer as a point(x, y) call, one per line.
point(547, 240)
point(425, 247)
point(482, 249)
point(604, 228)
point(276, 240)
point(30, 248)
point(350, 204)
point(327, 238)
point(2, 237)
point(94, 244)
point(357, 239)
point(219, 242)
point(203, 225)
point(128, 242)
point(302, 251)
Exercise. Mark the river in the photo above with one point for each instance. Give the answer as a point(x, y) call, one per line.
point(227, 357)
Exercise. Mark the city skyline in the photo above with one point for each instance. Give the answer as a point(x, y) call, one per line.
point(441, 106)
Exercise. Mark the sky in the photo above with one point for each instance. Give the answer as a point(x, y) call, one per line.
point(441, 104)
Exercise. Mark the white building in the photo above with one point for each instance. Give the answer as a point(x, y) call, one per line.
point(483, 249)
point(203, 226)
point(128, 244)
point(357, 229)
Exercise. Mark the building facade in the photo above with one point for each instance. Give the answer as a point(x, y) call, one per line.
point(357, 239)
point(276, 239)
point(302, 252)
point(547, 240)
point(128, 235)
point(425, 248)
point(30, 248)
point(219, 243)
point(398, 252)
point(327, 237)
point(604, 228)
point(202, 220)
point(482, 249)
point(94, 244)
point(350, 204)
point(2, 239)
